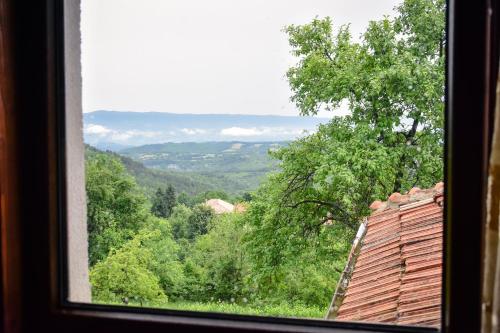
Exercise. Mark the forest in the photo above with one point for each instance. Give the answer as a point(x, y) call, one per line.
point(158, 245)
point(232, 166)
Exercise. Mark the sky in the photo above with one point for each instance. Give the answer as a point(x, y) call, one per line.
point(199, 56)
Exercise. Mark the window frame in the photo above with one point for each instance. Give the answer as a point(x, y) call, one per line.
point(31, 231)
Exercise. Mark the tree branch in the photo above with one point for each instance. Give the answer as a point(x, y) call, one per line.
point(319, 202)
point(344, 217)
point(327, 54)
point(411, 133)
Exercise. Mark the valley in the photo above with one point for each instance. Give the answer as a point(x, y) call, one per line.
point(194, 168)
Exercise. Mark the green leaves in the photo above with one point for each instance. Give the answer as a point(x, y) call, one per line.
point(116, 209)
point(311, 38)
point(221, 261)
point(126, 276)
point(164, 202)
point(320, 81)
point(393, 83)
point(199, 220)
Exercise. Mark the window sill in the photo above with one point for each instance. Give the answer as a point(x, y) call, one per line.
point(160, 319)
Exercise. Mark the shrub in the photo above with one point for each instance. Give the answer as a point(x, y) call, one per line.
point(125, 275)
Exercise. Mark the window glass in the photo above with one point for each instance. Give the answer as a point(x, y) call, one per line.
point(273, 158)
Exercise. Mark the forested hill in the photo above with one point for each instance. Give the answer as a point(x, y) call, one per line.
point(233, 172)
point(207, 157)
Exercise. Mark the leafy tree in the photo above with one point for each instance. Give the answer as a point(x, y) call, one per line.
point(193, 287)
point(393, 83)
point(199, 220)
point(247, 197)
point(290, 268)
point(212, 195)
point(116, 209)
point(170, 200)
point(158, 207)
point(164, 202)
point(220, 260)
point(186, 199)
point(126, 275)
point(179, 221)
point(165, 262)
point(200, 198)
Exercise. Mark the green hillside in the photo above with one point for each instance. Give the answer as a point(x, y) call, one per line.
point(233, 173)
point(231, 157)
point(234, 167)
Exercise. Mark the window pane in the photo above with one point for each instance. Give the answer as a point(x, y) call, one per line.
point(272, 158)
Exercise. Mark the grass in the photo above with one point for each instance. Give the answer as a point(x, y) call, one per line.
point(282, 310)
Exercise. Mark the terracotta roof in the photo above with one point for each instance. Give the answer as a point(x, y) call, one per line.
point(394, 269)
point(240, 207)
point(220, 206)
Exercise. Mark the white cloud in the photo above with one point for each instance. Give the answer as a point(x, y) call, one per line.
point(120, 136)
point(193, 131)
point(97, 130)
point(115, 135)
point(123, 136)
point(254, 131)
point(99, 133)
point(240, 131)
point(146, 134)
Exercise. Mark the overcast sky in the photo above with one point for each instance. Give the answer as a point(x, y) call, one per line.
point(200, 56)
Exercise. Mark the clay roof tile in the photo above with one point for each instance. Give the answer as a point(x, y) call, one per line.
point(414, 190)
point(394, 269)
point(376, 205)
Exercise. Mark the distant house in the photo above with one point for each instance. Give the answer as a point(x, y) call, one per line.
point(394, 270)
point(220, 206)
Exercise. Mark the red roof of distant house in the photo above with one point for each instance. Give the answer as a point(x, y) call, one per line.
point(220, 206)
point(394, 271)
point(240, 207)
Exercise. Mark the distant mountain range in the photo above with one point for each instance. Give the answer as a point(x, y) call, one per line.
point(116, 131)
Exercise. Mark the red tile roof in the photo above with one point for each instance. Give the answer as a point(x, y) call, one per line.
point(394, 270)
point(220, 206)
